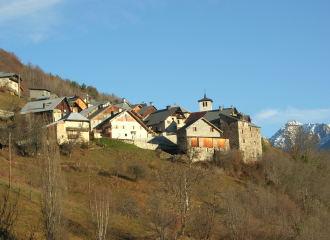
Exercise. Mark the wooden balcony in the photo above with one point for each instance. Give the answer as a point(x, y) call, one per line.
point(73, 136)
point(77, 129)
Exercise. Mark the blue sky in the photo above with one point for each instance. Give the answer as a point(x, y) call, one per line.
point(269, 59)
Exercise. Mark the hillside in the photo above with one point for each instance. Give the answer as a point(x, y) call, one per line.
point(34, 77)
point(147, 192)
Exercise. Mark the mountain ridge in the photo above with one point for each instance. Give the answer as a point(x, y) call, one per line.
point(322, 131)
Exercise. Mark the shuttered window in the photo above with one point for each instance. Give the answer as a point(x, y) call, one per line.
point(221, 143)
point(208, 142)
point(194, 142)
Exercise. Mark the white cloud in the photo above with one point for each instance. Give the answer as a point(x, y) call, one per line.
point(31, 20)
point(275, 116)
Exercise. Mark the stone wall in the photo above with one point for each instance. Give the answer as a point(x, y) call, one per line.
point(243, 137)
point(6, 115)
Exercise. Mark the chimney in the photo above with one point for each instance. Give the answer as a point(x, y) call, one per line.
point(133, 103)
point(151, 103)
point(232, 106)
point(143, 102)
point(124, 100)
point(220, 108)
point(44, 105)
point(168, 107)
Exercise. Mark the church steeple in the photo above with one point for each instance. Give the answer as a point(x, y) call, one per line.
point(205, 104)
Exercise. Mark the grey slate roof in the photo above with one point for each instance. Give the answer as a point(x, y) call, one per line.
point(6, 75)
point(94, 103)
point(74, 116)
point(44, 97)
point(86, 111)
point(143, 110)
point(195, 120)
point(37, 106)
point(160, 115)
point(39, 89)
point(182, 109)
point(98, 111)
point(123, 105)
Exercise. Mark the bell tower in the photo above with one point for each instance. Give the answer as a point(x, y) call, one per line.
point(205, 104)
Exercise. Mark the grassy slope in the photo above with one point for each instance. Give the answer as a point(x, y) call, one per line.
point(10, 103)
point(25, 169)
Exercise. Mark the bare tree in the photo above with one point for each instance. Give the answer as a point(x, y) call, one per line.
point(9, 213)
point(178, 182)
point(53, 188)
point(159, 217)
point(100, 211)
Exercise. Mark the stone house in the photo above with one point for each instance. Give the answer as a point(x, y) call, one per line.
point(12, 83)
point(166, 120)
point(124, 125)
point(72, 127)
point(243, 135)
point(200, 138)
point(38, 92)
point(236, 127)
point(52, 109)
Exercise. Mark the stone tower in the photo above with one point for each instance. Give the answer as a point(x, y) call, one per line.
point(205, 104)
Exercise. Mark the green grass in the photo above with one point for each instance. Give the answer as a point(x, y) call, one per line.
point(116, 144)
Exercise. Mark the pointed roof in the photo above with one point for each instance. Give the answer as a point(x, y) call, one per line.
point(205, 99)
point(196, 120)
point(160, 115)
point(74, 116)
point(113, 117)
point(38, 106)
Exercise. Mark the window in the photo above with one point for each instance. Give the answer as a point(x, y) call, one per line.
point(211, 129)
point(125, 134)
point(178, 121)
point(124, 119)
point(140, 127)
point(79, 124)
point(172, 119)
point(195, 129)
point(250, 129)
point(133, 127)
point(242, 131)
point(205, 104)
point(123, 126)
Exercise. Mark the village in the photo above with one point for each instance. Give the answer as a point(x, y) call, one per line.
point(197, 134)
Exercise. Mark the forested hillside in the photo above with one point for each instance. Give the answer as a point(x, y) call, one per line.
point(34, 77)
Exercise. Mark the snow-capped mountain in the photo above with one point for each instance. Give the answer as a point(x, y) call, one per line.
point(322, 131)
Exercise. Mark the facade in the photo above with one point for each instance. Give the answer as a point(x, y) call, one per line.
point(243, 135)
point(72, 127)
point(124, 125)
point(52, 109)
point(12, 83)
point(98, 117)
point(38, 92)
point(200, 139)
